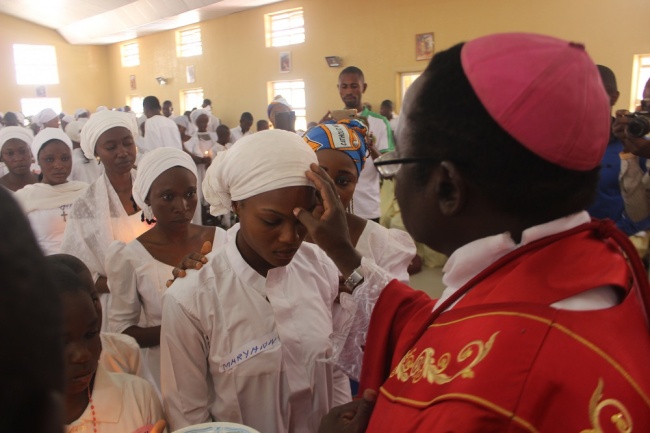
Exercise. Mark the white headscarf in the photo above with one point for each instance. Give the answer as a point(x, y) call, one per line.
point(73, 129)
point(182, 121)
point(80, 112)
point(67, 118)
point(152, 165)
point(44, 116)
point(196, 113)
point(18, 132)
point(258, 163)
point(102, 122)
point(46, 135)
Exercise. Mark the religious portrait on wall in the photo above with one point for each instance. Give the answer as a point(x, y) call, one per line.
point(285, 61)
point(424, 46)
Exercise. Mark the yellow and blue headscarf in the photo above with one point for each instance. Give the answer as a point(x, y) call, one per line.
point(348, 135)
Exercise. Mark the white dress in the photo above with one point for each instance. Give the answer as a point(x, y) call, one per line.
point(202, 144)
point(137, 282)
point(97, 219)
point(121, 354)
point(123, 403)
point(84, 170)
point(48, 210)
point(160, 131)
point(238, 347)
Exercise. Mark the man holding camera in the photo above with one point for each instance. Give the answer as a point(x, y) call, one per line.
point(634, 181)
point(351, 87)
point(609, 200)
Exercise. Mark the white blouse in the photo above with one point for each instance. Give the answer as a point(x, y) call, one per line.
point(122, 404)
point(391, 249)
point(238, 347)
point(137, 282)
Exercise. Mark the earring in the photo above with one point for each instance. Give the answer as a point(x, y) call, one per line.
point(350, 208)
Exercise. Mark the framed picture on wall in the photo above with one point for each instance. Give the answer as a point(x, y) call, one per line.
point(424, 46)
point(285, 61)
point(132, 82)
point(189, 74)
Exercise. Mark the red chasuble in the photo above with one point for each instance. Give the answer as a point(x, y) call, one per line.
point(503, 360)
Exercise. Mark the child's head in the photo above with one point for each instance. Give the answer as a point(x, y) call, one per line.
point(223, 134)
point(81, 324)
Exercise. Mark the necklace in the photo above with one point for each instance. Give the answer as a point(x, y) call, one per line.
point(92, 410)
point(63, 214)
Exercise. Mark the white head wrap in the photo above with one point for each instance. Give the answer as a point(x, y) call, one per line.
point(196, 113)
point(152, 165)
point(44, 116)
point(18, 132)
point(182, 121)
point(80, 112)
point(101, 108)
point(67, 118)
point(21, 118)
point(46, 135)
point(258, 163)
point(100, 123)
point(73, 129)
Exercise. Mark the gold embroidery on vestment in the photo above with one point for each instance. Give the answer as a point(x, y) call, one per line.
point(425, 365)
point(621, 420)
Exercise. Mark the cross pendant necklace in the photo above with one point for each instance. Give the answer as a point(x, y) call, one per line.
point(63, 214)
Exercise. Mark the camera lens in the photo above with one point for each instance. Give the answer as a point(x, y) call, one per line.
point(638, 127)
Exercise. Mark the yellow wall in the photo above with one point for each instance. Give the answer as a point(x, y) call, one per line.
point(377, 36)
point(83, 72)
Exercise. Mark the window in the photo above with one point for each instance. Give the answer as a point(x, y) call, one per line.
point(192, 98)
point(641, 76)
point(135, 102)
point(130, 54)
point(188, 42)
point(31, 106)
point(406, 79)
point(285, 28)
point(294, 93)
point(35, 64)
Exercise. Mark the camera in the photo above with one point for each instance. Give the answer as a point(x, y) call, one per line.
point(639, 125)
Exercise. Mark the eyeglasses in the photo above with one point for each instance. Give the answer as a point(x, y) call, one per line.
point(389, 164)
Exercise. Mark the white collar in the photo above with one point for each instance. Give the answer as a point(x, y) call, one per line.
point(470, 259)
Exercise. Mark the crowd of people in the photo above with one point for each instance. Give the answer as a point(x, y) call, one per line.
point(183, 272)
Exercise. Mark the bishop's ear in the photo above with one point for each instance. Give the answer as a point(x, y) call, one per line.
point(451, 188)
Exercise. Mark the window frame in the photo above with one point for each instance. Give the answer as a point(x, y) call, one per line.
point(184, 99)
point(287, 91)
point(189, 48)
point(282, 37)
point(35, 64)
point(130, 60)
point(640, 75)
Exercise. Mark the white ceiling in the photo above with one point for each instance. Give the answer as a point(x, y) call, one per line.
point(110, 21)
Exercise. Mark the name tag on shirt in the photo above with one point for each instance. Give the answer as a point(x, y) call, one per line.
point(249, 350)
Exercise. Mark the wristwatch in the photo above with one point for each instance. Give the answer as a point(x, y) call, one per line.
point(355, 278)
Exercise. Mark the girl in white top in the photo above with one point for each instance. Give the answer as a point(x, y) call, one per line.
point(15, 153)
point(96, 400)
point(106, 211)
point(341, 152)
point(48, 203)
point(137, 271)
point(250, 337)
